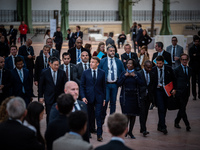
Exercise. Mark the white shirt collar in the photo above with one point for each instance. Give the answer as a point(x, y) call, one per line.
point(117, 139)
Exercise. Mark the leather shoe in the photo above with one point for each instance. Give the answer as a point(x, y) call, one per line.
point(131, 135)
point(99, 138)
point(176, 125)
point(188, 128)
point(145, 133)
point(163, 130)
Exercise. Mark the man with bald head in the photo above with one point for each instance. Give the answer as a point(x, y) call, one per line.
point(76, 51)
point(4, 80)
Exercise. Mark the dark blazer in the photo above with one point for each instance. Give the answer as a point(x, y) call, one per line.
point(48, 88)
point(72, 69)
point(194, 62)
point(144, 40)
point(71, 40)
point(80, 35)
point(166, 55)
point(110, 41)
point(124, 56)
point(72, 52)
point(17, 84)
point(104, 66)
point(92, 91)
point(139, 34)
point(56, 129)
point(55, 53)
point(16, 136)
point(78, 70)
point(23, 52)
point(13, 33)
point(183, 81)
point(113, 145)
point(9, 62)
point(4, 49)
point(58, 38)
point(39, 66)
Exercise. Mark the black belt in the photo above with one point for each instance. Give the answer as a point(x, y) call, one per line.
point(111, 82)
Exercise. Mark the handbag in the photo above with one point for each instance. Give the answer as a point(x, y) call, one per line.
point(173, 103)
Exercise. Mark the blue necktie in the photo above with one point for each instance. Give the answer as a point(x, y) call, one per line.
point(20, 74)
point(77, 34)
point(112, 69)
point(79, 58)
point(94, 76)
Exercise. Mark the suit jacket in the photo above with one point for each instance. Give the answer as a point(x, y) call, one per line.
point(166, 55)
point(104, 66)
point(4, 49)
point(72, 52)
point(72, 69)
point(71, 142)
point(183, 81)
point(133, 32)
point(9, 62)
point(90, 90)
point(124, 56)
point(78, 73)
point(23, 51)
point(56, 129)
point(179, 51)
point(48, 88)
point(139, 35)
point(71, 40)
point(110, 41)
point(6, 81)
point(17, 84)
point(16, 136)
point(194, 62)
point(80, 35)
point(58, 38)
point(39, 66)
point(13, 33)
point(113, 145)
point(55, 53)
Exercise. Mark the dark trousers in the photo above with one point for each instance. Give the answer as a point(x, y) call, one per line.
point(195, 76)
point(22, 36)
point(144, 109)
point(161, 101)
point(95, 109)
point(58, 47)
point(12, 40)
point(182, 111)
point(31, 77)
point(122, 41)
point(134, 45)
point(48, 109)
point(131, 121)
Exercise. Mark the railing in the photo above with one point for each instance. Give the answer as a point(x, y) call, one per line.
point(102, 15)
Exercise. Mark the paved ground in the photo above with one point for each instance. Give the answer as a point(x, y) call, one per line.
point(177, 139)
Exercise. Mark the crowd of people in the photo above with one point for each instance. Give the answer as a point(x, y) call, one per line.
point(79, 91)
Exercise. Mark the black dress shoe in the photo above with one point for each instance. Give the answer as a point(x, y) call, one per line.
point(131, 135)
point(99, 138)
point(176, 125)
point(188, 128)
point(145, 133)
point(151, 107)
point(163, 130)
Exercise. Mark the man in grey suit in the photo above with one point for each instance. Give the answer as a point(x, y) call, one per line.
point(110, 40)
point(67, 66)
point(175, 50)
point(73, 139)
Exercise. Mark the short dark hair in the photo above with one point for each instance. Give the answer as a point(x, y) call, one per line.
point(160, 58)
point(111, 34)
point(68, 29)
point(13, 46)
point(147, 61)
point(78, 27)
point(47, 46)
point(195, 37)
point(77, 120)
point(160, 44)
point(65, 103)
point(117, 123)
point(57, 27)
point(66, 54)
point(133, 60)
point(18, 59)
point(184, 54)
point(53, 59)
point(49, 39)
point(96, 58)
point(139, 25)
point(174, 37)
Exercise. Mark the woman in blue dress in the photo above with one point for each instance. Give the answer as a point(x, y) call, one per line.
point(130, 81)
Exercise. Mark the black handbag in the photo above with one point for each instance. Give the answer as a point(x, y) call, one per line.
point(173, 103)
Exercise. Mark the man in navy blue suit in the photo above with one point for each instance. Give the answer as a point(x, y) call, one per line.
point(92, 91)
point(113, 67)
point(52, 82)
point(20, 82)
point(139, 35)
point(10, 61)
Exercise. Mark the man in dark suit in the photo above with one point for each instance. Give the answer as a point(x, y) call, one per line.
point(76, 51)
point(67, 66)
point(78, 33)
point(92, 92)
point(14, 135)
point(5, 80)
point(59, 126)
point(72, 88)
point(113, 68)
point(146, 94)
point(194, 53)
point(139, 35)
point(128, 54)
point(27, 52)
point(53, 52)
point(71, 38)
point(133, 31)
point(20, 81)
point(10, 61)
point(117, 125)
point(175, 50)
point(52, 82)
point(58, 39)
point(13, 34)
point(183, 74)
point(163, 75)
point(110, 40)
point(4, 48)
point(84, 65)
point(161, 52)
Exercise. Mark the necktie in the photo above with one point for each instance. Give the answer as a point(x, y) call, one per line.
point(67, 72)
point(21, 77)
point(54, 77)
point(79, 58)
point(147, 79)
point(94, 76)
point(85, 66)
point(185, 70)
point(112, 69)
point(173, 53)
point(75, 107)
point(129, 55)
point(45, 62)
point(161, 77)
point(77, 34)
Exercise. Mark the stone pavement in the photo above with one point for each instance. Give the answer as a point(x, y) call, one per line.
point(177, 139)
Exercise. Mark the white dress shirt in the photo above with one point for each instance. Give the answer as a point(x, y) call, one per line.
point(160, 53)
point(95, 72)
point(174, 52)
point(68, 70)
point(77, 106)
point(163, 72)
point(87, 64)
point(109, 70)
